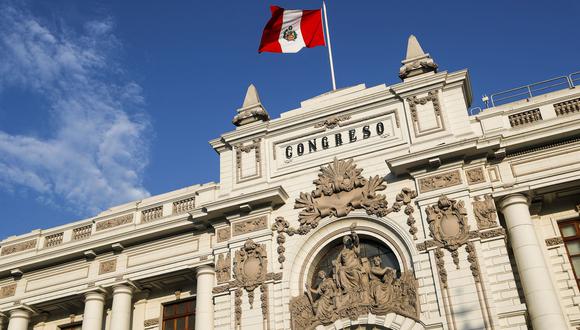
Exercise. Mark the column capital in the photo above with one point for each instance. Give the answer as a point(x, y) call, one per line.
point(515, 198)
point(123, 288)
point(98, 295)
point(204, 269)
point(21, 312)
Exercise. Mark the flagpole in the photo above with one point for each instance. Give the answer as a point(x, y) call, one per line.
point(329, 46)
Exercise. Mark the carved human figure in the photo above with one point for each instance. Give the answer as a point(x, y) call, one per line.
point(381, 290)
point(352, 277)
point(324, 306)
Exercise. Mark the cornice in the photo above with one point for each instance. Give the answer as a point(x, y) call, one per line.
point(273, 196)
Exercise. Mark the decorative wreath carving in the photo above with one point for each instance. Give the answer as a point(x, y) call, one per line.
point(340, 189)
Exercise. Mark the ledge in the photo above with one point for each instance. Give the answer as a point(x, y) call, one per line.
point(274, 196)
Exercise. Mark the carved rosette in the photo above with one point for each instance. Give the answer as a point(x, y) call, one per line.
point(448, 225)
point(485, 212)
point(341, 189)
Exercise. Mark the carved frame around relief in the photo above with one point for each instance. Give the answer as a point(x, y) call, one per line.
point(448, 224)
point(432, 96)
point(250, 267)
point(341, 189)
point(255, 146)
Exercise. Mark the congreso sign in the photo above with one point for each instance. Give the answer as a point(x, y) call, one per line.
point(386, 207)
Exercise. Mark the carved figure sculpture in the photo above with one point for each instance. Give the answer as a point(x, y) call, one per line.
point(355, 289)
point(352, 278)
point(485, 212)
point(324, 307)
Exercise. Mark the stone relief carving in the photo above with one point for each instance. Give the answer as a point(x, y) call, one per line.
point(108, 266)
point(8, 291)
point(238, 306)
point(340, 189)
point(223, 268)
point(439, 181)
point(332, 122)
point(250, 265)
point(264, 300)
point(281, 226)
point(492, 233)
point(448, 224)
point(223, 234)
point(19, 247)
point(485, 212)
point(150, 322)
point(356, 287)
point(554, 241)
point(248, 226)
point(115, 222)
point(475, 175)
point(247, 148)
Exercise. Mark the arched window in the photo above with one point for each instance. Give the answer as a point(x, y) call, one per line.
point(369, 248)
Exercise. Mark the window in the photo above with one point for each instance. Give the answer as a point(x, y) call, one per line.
point(74, 326)
point(571, 234)
point(369, 248)
point(179, 315)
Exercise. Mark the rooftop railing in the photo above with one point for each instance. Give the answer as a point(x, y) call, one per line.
point(535, 89)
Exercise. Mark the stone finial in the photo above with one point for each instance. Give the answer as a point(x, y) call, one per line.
point(252, 109)
point(417, 61)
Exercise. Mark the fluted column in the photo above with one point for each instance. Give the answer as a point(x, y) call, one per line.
point(204, 300)
point(122, 307)
point(94, 309)
point(541, 297)
point(19, 319)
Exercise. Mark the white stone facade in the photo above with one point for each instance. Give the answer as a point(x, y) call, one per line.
point(119, 269)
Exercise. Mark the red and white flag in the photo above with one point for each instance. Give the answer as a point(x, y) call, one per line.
point(288, 31)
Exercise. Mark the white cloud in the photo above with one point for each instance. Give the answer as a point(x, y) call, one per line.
point(95, 156)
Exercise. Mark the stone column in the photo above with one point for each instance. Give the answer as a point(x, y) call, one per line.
point(204, 301)
point(541, 297)
point(122, 307)
point(94, 308)
point(2, 321)
point(19, 319)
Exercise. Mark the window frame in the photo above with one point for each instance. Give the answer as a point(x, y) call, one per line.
point(190, 316)
point(576, 237)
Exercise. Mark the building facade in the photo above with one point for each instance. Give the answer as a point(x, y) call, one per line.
point(387, 207)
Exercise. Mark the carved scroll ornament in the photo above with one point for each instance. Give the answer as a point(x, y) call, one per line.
point(340, 189)
point(356, 287)
point(448, 224)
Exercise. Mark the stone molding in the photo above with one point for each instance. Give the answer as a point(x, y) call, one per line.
point(151, 322)
point(115, 222)
point(439, 181)
point(239, 149)
point(18, 247)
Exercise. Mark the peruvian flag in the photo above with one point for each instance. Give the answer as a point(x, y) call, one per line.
point(288, 31)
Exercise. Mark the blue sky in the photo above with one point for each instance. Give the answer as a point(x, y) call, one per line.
point(103, 102)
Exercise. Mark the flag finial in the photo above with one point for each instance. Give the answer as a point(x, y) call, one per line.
point(416, 61)
point(252, 109)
